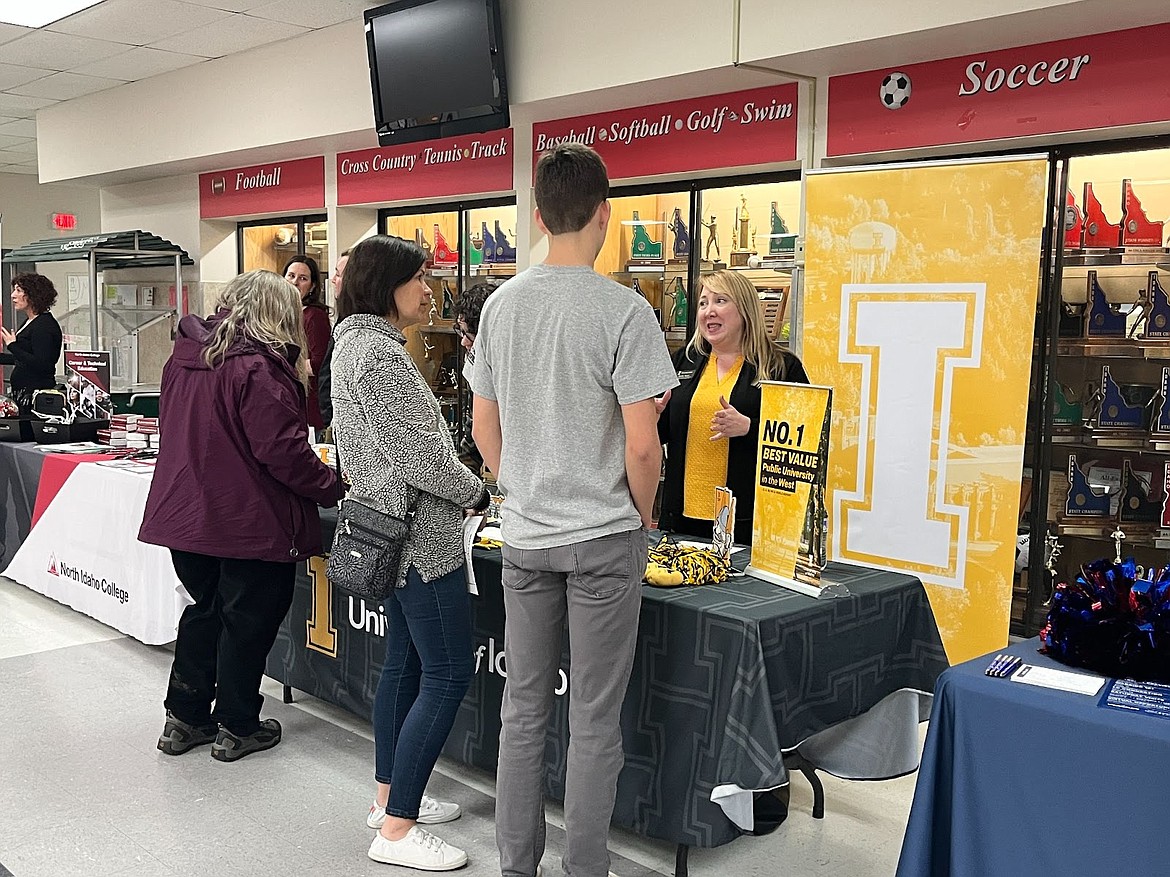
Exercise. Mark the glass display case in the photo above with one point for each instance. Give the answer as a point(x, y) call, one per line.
point(1099, 439)
point(270, 243)
point(466, 244)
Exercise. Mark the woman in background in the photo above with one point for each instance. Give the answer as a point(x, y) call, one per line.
point(35, 347)
point(710, 423)
point(302, 272)
point(397, 451)
point(234, 497)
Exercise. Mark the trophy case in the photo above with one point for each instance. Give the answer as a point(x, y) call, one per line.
point(648, 248)
point(465, 244)
point(270, 243)
point(662, 239)
point(1098, 454)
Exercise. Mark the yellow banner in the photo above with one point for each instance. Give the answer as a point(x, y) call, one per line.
point(790, 466)
point(920, 298)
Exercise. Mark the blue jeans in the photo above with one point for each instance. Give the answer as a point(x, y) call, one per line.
point(429, 663)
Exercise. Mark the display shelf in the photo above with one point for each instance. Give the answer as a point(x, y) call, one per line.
point(437, 330)
point(1135, 444)
point(1116, 256)
point(651, 271)
point(1101, 530)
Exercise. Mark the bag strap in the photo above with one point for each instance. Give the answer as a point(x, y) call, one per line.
point(337, 465)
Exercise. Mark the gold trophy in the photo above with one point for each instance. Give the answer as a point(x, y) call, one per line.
point(743, 250)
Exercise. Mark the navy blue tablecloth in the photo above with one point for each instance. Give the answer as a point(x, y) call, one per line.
point(1022, 780)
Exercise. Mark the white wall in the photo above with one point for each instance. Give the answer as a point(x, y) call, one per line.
point(26, 205)
point(167, 207)
point(829, 37)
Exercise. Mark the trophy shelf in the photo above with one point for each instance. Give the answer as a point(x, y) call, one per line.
point(1154, 256)
point(1118, 349)
point(1101, 530)
point(437, 330)
point(1137, 444)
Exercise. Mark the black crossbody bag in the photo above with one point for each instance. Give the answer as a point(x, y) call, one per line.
point(367, 546)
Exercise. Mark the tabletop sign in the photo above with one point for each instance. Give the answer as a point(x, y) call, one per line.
point(275, 187)
point(1131, 696)
point(789, 530)
point(88, 378)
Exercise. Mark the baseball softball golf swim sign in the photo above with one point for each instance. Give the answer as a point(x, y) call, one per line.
point(920, 301)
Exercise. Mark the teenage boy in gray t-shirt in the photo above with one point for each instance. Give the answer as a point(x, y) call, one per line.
point(567, 367)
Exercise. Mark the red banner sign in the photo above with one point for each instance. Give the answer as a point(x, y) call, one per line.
point(468, 165)
point(719, 131)
point(277, 187)
point(1080, 84)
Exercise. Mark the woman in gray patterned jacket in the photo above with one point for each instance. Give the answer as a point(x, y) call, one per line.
point(397, 451)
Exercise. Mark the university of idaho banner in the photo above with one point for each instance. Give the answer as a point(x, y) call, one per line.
point(920, 303)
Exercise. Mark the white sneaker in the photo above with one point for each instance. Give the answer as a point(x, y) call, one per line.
point(419, 849)
point(430, 812)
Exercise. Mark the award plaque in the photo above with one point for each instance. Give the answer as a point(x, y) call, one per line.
point(448, 311)
point(1136, 228)
point(1137, 506)
point(1105, 320)
point(682, 237)
point(1156, 309)
point(1100, 233)
point(444, 256)
point(643, 249)
point(489, 244)
point(1074, 225)
point(1160, 422)
point(781, 242)
point(1083, 499)
point(421, 240)
point(505, 252)
point(1124, 407)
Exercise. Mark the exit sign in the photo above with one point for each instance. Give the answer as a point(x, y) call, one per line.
point(63, 221)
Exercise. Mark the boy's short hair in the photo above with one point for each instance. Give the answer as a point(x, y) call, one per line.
point(571, 183)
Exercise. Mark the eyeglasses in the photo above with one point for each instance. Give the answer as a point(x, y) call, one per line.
point(463, 333)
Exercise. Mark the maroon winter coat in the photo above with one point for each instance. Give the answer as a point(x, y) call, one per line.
point(317, 332)
point(235, 475)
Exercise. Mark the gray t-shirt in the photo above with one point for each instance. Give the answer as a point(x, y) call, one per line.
point(561, 349)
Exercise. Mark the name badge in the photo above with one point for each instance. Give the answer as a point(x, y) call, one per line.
point(686, 375)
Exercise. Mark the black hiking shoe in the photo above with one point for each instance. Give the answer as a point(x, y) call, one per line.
point(230, 747)
point(179, 736)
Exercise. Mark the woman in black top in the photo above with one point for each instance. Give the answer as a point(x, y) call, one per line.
point(36, 346)
point(729, 335)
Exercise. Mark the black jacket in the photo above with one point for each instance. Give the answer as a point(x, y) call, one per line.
point(325, 386)
point(741, 451)
point(35, 353)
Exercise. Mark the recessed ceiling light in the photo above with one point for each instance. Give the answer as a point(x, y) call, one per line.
point(38, 13)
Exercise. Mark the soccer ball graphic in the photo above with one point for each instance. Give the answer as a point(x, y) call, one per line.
point(895, 91)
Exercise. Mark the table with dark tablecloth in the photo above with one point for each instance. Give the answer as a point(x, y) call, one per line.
point(726, 679)
point(1018, 779)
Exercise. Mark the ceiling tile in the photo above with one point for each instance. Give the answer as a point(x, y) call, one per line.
point(9, 32)
point(312, 13)
point(19, 128)
point(18, 169)
point(8, 141)
point(139, 63)
point(58, 51)
point(12, 75)
point(137, 22)
point(26, 148)
point(15, 156)
point(65, 86)
point(231, 5)
point(231, 35)
point(22, 107)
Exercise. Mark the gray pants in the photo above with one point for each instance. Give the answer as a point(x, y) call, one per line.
point(595, 586)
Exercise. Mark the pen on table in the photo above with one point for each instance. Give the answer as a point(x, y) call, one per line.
point(1011, 666)
point(993, 667)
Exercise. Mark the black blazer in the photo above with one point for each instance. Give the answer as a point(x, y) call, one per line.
point(741, 450)
point(34, 354)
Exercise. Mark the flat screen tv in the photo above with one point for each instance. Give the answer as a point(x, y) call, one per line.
point(436, 69)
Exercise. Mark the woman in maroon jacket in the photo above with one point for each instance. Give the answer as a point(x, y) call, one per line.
point(302, 272)
point(234, 497)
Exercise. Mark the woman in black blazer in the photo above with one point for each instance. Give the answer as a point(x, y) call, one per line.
point(36, 346)
point(724, 362)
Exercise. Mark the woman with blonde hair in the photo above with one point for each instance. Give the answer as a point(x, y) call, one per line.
point(234, 497)
point(710, 423)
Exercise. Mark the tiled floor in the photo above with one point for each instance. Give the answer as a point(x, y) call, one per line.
point(84, 791)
